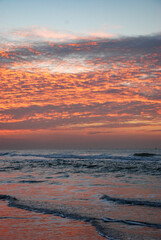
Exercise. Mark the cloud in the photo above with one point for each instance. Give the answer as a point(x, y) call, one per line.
point(84, 55)
point(89, 83)
point(35, 34)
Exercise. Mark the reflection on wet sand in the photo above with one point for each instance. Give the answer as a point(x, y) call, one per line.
point(18, 224)
point(78, 198)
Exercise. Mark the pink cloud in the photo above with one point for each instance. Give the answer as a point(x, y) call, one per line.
point(43, 33)
point(100, 34)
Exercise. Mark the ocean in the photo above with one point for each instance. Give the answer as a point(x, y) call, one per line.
point(80, 194)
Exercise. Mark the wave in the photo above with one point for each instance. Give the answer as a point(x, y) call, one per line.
point(31, 181)
point(144, 154)
point(101, 224)
point(102, 156)
point(5, 153)
point(81, 165)
point(7, 197)
point(132, 201)
point(81, 161)
point(130, 222)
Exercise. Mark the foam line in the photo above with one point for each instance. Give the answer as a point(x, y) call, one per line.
point(106, 231)
point(132, 201)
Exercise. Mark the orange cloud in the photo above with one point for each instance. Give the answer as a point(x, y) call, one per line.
point(100, 86)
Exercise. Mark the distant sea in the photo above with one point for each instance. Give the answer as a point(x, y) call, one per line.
point(80, 194)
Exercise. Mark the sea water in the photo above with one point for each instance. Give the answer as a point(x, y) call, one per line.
point(80, 194)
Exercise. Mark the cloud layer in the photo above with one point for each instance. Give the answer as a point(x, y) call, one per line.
point(93, 84)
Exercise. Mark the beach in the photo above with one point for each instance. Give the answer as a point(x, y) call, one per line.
point(80, 194)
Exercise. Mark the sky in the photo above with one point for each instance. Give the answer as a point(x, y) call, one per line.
point(80, 74)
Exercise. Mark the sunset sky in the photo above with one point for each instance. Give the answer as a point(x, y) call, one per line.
point(80, 74)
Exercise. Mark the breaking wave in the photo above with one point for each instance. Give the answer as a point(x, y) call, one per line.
point(83, 156)
point(101, 224)
point(132, 201)
point(85, 161)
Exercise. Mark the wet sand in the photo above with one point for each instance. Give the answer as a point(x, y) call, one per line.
point(18, 224)
point(80, 197)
